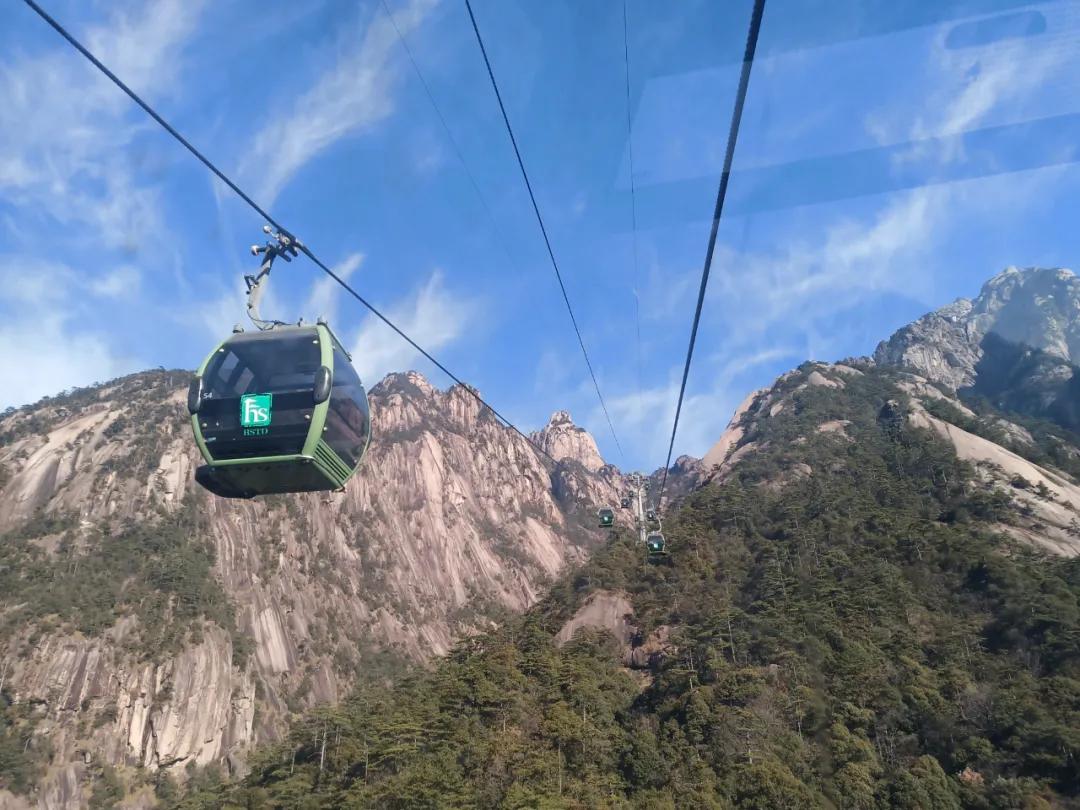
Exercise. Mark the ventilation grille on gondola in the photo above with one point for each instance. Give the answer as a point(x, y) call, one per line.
point(328, 459)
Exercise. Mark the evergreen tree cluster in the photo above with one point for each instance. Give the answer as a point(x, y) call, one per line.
point(847, 629)
point(159, 571)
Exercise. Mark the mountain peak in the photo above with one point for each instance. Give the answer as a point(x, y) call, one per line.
point(560, 418)
point(451, 522)
point(1002, 286)
point(957, 310)
point(1017, 343)
point(562, 439)
point(404, 382)
point(1032, 307)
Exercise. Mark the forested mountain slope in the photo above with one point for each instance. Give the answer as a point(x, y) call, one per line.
point(845, 623)
point(149, 625)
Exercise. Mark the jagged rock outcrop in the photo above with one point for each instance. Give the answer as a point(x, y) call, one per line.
point(684, 475)
point(942, 346)
point(1049, 500)
point(562, 439)
point(452, 519)
point(732, 434)
point(1018, 343)
point(612, 611)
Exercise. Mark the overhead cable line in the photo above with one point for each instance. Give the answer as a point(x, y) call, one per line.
point(633, 200)
point(725, 176)
point(303, 248)
point(543, 228)
point(446, 127)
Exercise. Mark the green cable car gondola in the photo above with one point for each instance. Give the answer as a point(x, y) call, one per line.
point(656, 547)
point(278, 410)
point(607, 518)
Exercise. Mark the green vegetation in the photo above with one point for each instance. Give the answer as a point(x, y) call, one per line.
point(159, 572)
point(108, 790)
point(1054, 445)
point(856, 638)
point(45, 414)
point(20, 753)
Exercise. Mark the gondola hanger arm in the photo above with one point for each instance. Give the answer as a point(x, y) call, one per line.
point(283, 244)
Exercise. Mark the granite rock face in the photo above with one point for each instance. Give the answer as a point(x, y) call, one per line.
point(1017, 343)
point(562, 439)
point(452, 520)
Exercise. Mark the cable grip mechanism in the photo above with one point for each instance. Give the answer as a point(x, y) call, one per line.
point(280, 244)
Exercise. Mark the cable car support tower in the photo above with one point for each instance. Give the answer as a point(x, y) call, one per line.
point(650, 536)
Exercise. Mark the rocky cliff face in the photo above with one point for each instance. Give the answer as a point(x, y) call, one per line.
point(1017, 343)
point(451, 521)
point(943, 346)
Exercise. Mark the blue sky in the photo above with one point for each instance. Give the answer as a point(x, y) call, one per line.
point(889, 162)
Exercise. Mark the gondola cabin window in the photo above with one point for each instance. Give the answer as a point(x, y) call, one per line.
point(348, 422)
point(257, 399)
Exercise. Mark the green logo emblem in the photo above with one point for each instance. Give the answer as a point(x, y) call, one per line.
point(255, 410)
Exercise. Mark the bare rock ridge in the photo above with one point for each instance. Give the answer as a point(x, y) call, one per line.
point(566, 442)
point(1017, 343)
point(452, 520)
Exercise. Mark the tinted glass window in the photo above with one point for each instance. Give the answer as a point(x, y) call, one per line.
point(348, 423)
point(264, 363)
point(280, 364)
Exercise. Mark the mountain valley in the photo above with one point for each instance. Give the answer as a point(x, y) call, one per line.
point(873, 598)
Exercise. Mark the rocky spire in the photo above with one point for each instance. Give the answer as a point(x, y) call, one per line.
point(562, 439)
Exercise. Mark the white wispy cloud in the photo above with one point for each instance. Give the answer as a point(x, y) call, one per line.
point(433, 316)
point(648, 416)
point(790, 294)
point(853, 260)
point(805, 280)
point(64, 127)
point(219, 309)
point(323, 299)
point(351, 97)
point(224, 305)
point(44, 347)
point(65, 135)
point(121, 282)
point(552, 370)
point(50, 353)
point(973, 87)
point(32, 281)
point(429, 155)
